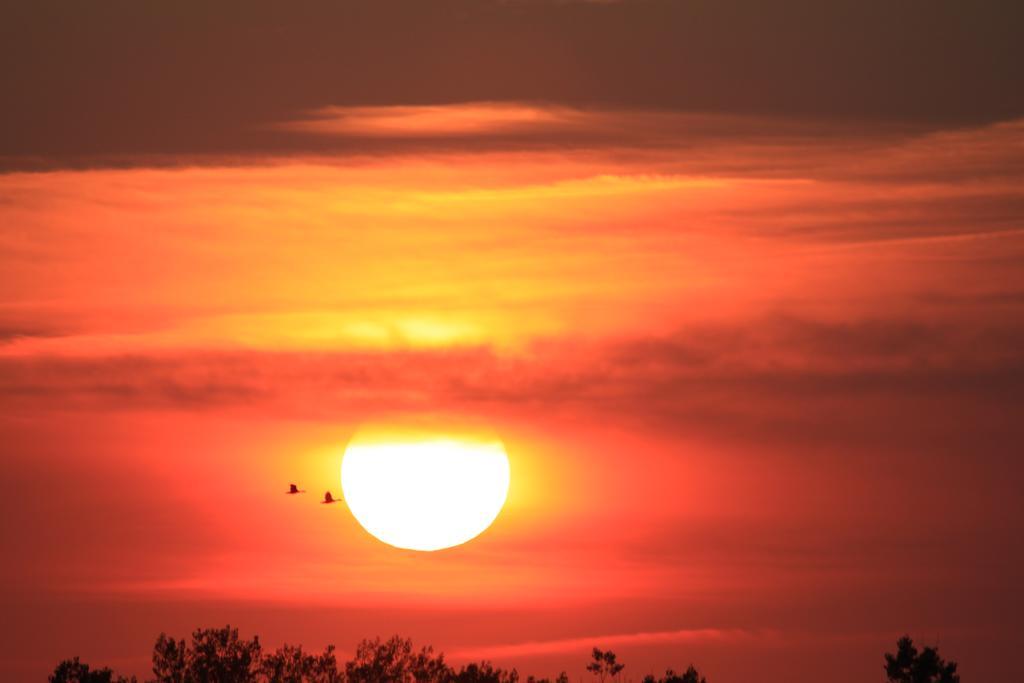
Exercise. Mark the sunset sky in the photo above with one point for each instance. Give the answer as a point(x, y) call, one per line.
point(739, 285)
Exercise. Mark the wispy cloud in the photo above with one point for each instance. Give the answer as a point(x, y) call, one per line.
point(520, 125)
point(583, 644)
point(470, 118)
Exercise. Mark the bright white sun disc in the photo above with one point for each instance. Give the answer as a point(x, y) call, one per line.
point(425, 494)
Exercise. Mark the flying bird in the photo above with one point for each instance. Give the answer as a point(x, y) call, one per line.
point(293, 489)
point(328, 499)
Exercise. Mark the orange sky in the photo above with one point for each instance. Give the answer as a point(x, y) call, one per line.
point(749, 405)
point(742, 297)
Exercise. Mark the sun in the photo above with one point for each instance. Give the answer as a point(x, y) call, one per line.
point(424, 491)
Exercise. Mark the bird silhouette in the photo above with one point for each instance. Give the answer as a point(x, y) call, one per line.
point(293, 489)
point(328, 499)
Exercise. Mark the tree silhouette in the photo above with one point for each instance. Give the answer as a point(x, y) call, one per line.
point(394, 661)
point(291, 665)
point(604, 665)
point(74, 671)
point(483, 673)
point(561, 678)
point(910, 666)
point(215, 655)
point(219, 655)
point(169, 663)
point(691, 675)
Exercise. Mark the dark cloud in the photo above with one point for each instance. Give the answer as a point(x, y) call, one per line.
point(10, 333)
point(116, 78)
point(781, 377)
